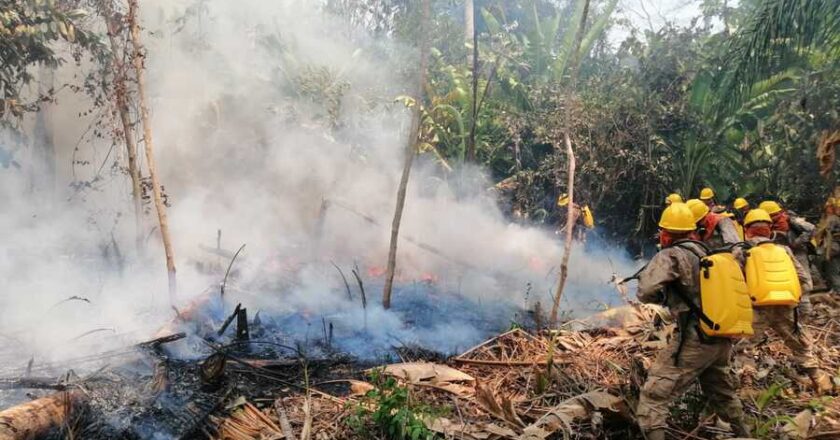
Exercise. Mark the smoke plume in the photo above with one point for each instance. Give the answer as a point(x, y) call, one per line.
point(278, 126)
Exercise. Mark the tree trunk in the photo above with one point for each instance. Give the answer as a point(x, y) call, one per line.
point(121, 95)
point(570, 152)
point(43, 171)
point(411, 150)
point(147, 140)
point(471, 36)
point(469, 27)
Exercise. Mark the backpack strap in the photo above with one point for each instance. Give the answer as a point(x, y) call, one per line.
point(695, 310)
point(692, 306)
point(729, 248)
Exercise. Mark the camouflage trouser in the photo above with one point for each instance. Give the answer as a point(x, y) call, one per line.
point(707, 363)
point(779, 319)
point(805, 306)
point(831, 267)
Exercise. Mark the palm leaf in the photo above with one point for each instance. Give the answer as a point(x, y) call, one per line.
point(565, 51)
point(777, 31)
point(597, 28)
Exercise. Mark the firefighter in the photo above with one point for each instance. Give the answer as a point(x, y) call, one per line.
point(716, 230)
point(827, 238)
point(583, 218)
point(782, 319)
point(688, 357)
point(789, 229)
point(740, 207)
point(707, 195)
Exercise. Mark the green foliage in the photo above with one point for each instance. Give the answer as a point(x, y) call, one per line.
point(765, 423)
point(738, 107)
point(768, 396)
point(775, 36)
point(388, 410)
point(818, 404)
point(320, 90)
point(765, 426)
point(29, 32)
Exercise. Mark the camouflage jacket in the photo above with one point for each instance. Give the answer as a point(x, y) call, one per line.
point(800, 233)
point(672, 268)
point(725, 234)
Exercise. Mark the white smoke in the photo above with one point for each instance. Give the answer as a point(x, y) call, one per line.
point(245, 146)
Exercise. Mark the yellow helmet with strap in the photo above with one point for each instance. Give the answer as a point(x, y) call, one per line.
point(757, 215)
point(707, 194)
point(673, 198)
point(770, 206)
point(698, 209)
point(677, 217)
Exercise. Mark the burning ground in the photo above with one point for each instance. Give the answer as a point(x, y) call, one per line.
point(276, 134)
point(218, 371)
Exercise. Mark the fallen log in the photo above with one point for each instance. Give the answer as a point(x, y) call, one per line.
point(37, 418)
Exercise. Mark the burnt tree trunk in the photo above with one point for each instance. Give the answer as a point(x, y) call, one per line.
point(411, 150)
point(570, 152)
point(121, 97)
point(149, 144)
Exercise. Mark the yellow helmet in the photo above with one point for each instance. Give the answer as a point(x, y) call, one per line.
point(757, 215)
point(677, 217)
point(673, 198)
point(832, 202)
point(707, 194)
point(698, 209)
point(741, 203)
point(770, 206)
point(563, 200)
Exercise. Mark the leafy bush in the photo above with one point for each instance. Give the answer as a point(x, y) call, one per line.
point(388, 410)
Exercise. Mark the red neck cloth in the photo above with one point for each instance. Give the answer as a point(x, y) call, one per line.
point(709, 224)
point(780, 221)
point(760, 229)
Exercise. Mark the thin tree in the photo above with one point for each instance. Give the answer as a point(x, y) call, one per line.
point(471, 39)
point(570, 152)
point(114, 24)
point(149, 144)
point(410, 151)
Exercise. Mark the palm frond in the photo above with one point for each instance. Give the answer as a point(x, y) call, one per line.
point(779, 30)
point(565, 51)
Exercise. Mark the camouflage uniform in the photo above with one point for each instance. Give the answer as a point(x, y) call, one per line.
point(829, 245)
point(706, 361)
point(725, 234)
point(780, 319)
